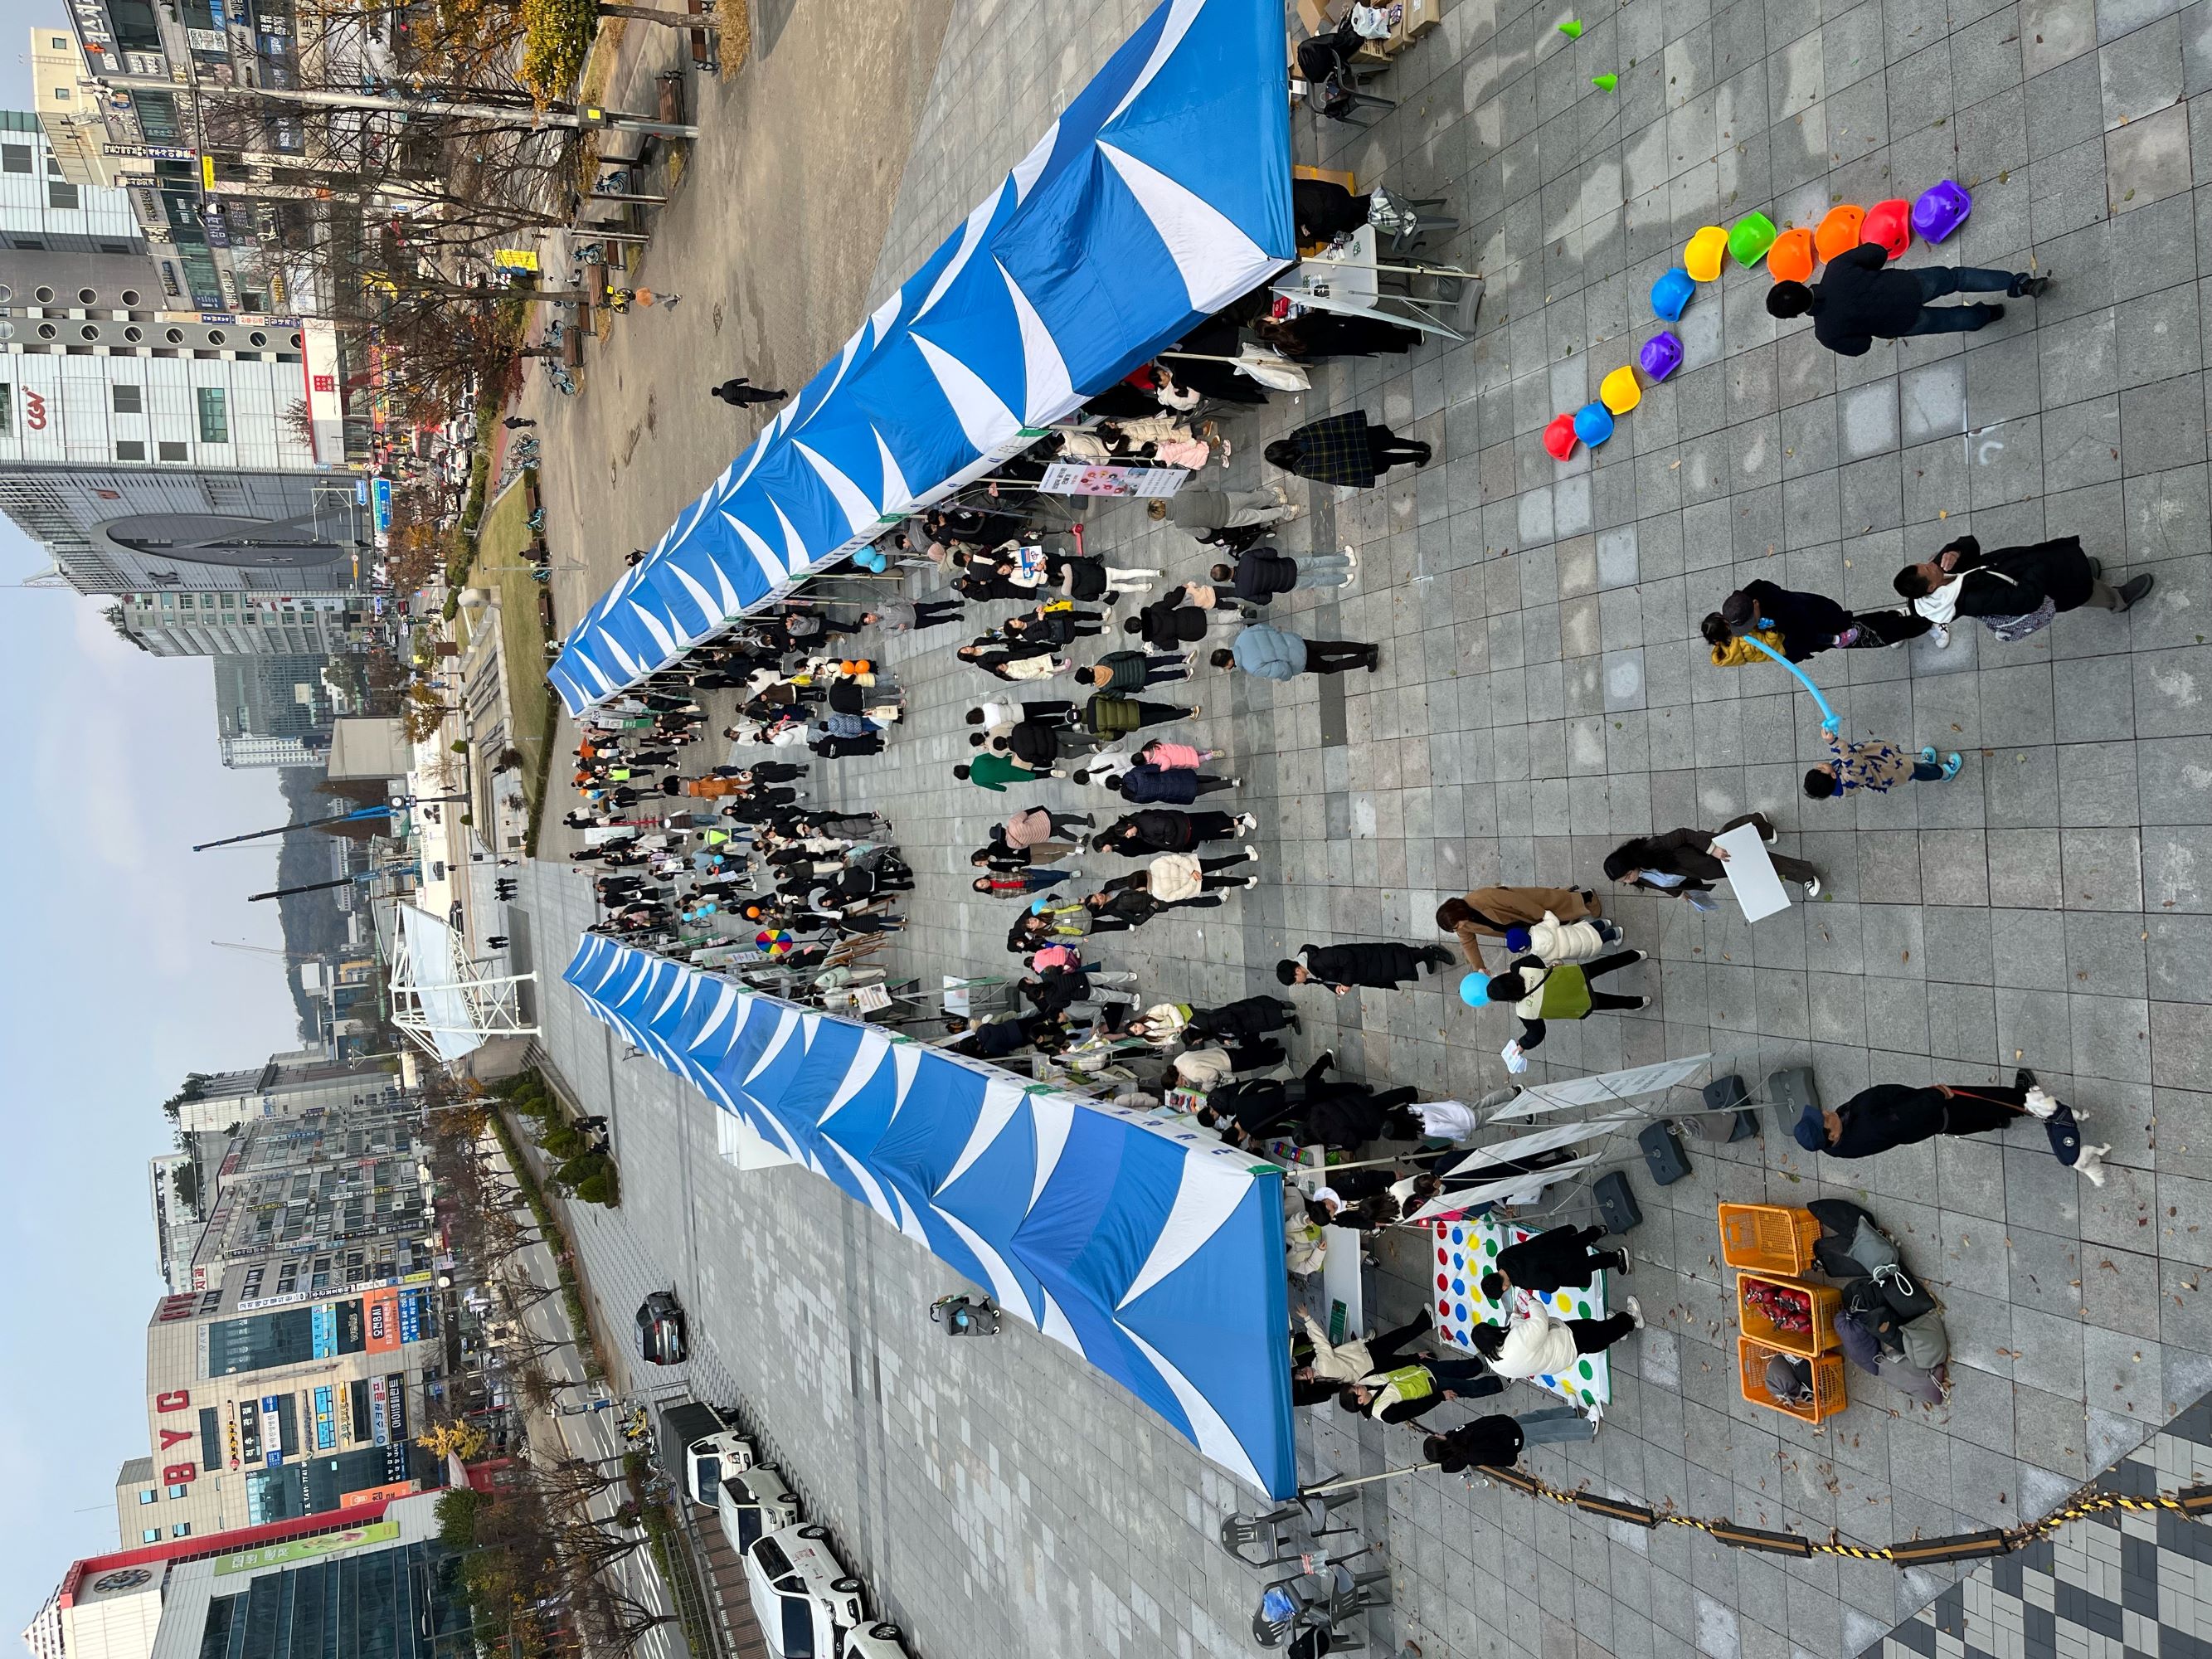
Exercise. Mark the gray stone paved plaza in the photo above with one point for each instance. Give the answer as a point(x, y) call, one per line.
point(1543, 695)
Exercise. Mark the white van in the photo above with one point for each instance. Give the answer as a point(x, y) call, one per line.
point(804, 1601)
point(876, 1641)
point(753, 1505)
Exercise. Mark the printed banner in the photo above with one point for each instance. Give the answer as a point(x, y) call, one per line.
point(1141, 483)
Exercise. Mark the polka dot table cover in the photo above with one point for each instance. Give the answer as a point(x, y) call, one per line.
point(1465, 1248)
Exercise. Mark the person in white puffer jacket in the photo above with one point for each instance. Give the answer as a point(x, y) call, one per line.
point(1537, 1344)
point(1553, 941)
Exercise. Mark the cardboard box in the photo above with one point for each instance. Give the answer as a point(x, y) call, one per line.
point(1421, 16)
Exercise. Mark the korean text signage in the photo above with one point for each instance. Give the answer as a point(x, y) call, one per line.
point(381, 1309)
point(306, 1549)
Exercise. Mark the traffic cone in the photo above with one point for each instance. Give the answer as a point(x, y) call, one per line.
point(1572, 28)
point(1605, 82)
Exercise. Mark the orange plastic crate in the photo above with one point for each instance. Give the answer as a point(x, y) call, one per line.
point(1768, 1238)
point(1828, 1394)
point(1826, 1301)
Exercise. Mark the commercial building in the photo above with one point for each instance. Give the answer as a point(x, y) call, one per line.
point(288, 1373)
point(305, 1083)
point(41, 208)
point(272, 711)
point(177, 1219)
point(370, 1583)
point(246, 624)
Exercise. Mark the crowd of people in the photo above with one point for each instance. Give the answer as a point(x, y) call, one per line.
point(1111, 663)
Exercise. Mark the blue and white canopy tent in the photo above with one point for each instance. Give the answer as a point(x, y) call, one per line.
point(1156, 1253)
point(1161, 194)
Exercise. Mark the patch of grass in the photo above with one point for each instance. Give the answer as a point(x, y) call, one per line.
point(501, 568)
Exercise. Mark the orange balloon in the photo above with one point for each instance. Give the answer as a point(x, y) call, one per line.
point(1790, 259)
point(1839, 231)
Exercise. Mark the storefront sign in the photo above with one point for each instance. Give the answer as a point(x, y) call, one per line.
point(380, 1315)
point(150, 152)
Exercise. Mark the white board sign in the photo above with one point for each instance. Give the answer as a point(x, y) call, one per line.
point(1751, 875)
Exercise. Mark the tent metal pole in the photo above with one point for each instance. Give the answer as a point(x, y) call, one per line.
point(1365, 1479)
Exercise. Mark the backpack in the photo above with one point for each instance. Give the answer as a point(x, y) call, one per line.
point(1927, 1344)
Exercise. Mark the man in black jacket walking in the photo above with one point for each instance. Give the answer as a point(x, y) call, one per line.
point(1856, 301)
point(1495, 1442)
point(1260, 572)
point(1384, 966)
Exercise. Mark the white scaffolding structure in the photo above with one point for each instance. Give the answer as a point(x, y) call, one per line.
point(440, 996)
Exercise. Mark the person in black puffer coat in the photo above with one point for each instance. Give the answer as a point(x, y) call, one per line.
point(1163, 831)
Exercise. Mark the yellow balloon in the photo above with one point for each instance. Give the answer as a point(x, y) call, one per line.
point(1702, 258)
point(1620, 391)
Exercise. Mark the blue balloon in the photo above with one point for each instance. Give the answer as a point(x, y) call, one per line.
point(1474, 991)
point(1829, 719)
point(1671, 294)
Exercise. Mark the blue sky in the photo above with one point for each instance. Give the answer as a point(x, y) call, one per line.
point(111, 992)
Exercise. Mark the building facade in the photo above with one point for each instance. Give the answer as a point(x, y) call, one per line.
point(43, 209)
point(272, 711)
point(177, 1221)
point(246, 623)
point(302, 1084)
point(289, 1376)
point(371, 1582)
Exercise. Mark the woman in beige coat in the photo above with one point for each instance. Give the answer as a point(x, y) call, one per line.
point(1487, 912)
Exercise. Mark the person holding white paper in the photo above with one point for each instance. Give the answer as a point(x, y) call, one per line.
point(1682, 863)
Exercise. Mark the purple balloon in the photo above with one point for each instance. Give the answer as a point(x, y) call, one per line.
point(1942, 209)
point(1662, 355)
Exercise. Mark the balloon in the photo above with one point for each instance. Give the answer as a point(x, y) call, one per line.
point(1474, 991)
point(1829, 719)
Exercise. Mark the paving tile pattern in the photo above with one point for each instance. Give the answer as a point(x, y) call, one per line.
point(2118, 1585)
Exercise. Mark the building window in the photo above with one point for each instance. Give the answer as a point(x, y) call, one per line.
point(215, 415)
point(171, 452)
point(182, 1529)
point(59, 42)
point(150, 1496)
point(129, 449)
point(63, 94)
point(14, 158)
point(151, 1535)
point(129, 399)
point(7, 409)
point(60, 193)
point(179, 1491)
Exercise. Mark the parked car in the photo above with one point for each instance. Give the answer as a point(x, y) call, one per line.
point(876, 1641)
point(662, 1337)
point(754, 1503)
point(804, 1601)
